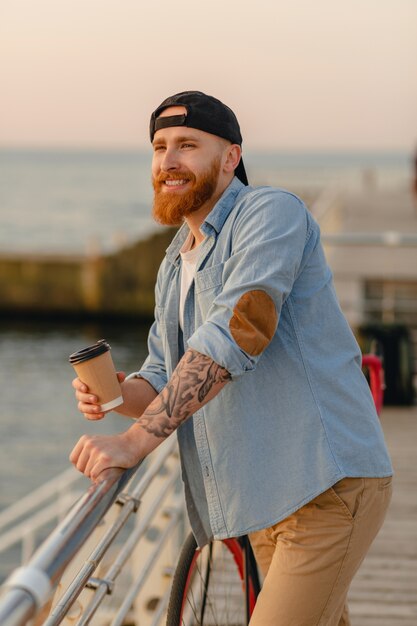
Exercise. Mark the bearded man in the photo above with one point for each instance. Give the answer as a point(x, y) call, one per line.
point(253, 364)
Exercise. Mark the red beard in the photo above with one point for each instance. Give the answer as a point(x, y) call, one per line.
point(170, 208)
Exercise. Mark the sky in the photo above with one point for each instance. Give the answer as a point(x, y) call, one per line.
point(299, 74)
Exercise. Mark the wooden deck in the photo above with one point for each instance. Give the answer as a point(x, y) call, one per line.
point(384, 592)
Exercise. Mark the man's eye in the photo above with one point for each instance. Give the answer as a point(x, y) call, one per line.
point(187, 145)
point(158, 148)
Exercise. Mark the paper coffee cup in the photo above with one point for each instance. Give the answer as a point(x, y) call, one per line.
point(94, 366)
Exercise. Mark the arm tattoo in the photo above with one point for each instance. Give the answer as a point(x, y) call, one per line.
point(196, 379)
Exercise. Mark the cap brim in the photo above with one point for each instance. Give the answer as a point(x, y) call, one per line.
point(240, 172)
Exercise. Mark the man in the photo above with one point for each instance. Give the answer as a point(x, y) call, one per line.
point(251, 359)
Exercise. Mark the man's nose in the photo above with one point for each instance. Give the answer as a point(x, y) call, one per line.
point(170, 160)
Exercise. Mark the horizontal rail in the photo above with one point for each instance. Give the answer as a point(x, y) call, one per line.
point(29, 587)
point(36, 498)
point(40, 518)
point(387, 238)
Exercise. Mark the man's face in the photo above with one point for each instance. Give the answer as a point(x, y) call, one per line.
point(186, 167)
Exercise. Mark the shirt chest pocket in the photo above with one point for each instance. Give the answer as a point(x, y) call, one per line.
point(208, 284)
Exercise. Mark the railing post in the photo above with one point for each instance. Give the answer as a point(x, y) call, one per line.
point(28, 545)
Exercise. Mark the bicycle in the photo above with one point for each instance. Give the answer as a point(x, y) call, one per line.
point(218, 585)
point(214, 586)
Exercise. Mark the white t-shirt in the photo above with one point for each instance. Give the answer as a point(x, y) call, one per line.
point(189, 261)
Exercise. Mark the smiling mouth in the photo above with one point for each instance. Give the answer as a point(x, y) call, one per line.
point(176, 183)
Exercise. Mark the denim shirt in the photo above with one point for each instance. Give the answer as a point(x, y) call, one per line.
point(297, 415)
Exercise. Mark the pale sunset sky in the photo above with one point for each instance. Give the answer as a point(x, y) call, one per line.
point(299, 74)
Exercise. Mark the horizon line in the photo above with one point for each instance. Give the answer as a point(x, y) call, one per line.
point(255, 150)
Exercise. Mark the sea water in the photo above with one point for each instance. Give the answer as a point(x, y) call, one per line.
point(69, 201)
point(39, 420)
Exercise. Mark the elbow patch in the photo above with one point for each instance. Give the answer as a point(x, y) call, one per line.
point(253, 322)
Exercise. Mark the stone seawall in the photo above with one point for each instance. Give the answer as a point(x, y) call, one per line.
point(120, 284)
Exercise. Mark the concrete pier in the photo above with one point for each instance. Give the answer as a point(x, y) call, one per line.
point(120, 284)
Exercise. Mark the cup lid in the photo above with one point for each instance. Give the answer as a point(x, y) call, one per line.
point(100, 347)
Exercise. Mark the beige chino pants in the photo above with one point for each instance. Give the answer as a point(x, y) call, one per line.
point(309, 559)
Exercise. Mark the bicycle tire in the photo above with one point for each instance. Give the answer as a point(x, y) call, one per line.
point(208, 588)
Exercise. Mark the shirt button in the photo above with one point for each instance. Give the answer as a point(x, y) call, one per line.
point(207, 471)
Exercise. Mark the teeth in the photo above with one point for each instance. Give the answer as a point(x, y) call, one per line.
point(173, 183)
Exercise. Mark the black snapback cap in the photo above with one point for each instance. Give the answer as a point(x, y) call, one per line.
point(203, 113)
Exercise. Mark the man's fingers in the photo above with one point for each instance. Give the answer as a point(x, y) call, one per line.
point(94, 417)
point(76, 451)
point(90, 458)
point(88, 398)
point(87, 407)
point(83, 460)
point(79, 385)
point(96, 464)
point(113, 473)
point(84, 454)
point(120, 376)
point(87, 402)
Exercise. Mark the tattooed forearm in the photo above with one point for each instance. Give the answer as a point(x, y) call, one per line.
point(195, 381)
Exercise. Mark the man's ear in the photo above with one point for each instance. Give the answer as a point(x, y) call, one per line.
point(233, 155)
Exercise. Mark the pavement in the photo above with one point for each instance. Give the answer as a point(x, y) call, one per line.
point(384, 591)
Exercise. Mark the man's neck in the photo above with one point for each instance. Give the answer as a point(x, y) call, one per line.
point(194, 220)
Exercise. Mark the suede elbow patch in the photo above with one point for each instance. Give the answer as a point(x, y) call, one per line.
point(254, 321)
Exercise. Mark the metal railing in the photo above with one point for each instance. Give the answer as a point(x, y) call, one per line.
point(30, 587)
point(384, 238)
point(30, 517)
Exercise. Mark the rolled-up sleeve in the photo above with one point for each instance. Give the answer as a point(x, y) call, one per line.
point(154, 369)
point(268, 241)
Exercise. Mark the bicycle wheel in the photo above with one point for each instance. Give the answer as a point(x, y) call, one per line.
point(208, 588)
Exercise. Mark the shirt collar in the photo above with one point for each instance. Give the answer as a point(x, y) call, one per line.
point(214, 220)
point(220, 212)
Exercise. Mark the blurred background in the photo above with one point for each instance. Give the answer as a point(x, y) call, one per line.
point(326, 96)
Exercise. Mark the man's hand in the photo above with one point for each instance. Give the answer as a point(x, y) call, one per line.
point(93, 454)
point(87, 402)
point(194, 382)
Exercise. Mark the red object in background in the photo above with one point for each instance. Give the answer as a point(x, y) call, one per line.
point(376, 378)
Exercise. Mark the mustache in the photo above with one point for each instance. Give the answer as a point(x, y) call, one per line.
point(163, 176)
